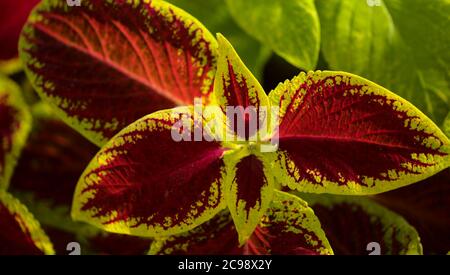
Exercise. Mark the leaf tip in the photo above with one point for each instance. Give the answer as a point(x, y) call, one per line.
point(243, 237)
point(220, 38)
point(224, 45)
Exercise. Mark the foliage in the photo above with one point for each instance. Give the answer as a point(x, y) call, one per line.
point(182, 147)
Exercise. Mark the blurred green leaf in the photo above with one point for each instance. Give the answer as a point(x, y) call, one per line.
point(446, 126)
point(290, 27)
point(215, 16)
point(400, 44)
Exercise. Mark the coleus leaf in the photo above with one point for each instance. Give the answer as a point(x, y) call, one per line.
point(145, 183)
point(351, 223)
point(125, 191)
point(13, 15)
point(342, 134)
point(105, 64)
point(236, 87)
point(288, 227)
point(425, 205)
point(249, 190)
point(21, 233)
point(274, 22)
point(15, 123)
point(400, 44)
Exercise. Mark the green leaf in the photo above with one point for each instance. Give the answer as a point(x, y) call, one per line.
point(400, 44)
point(290, 27)
point(215, 16)
point(446, 126)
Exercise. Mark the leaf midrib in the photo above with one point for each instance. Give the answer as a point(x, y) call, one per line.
point(343, 140)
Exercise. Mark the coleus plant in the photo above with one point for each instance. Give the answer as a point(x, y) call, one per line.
point(338, 133)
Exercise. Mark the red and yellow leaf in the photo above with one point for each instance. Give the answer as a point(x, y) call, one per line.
point(249, 190)
point(105, 64)
point(21, 234)
point(145, 183)
point(15, 123)
point(288, 227)
point(298, 228)
point(426, 206)
point(239, 94)
point(351, 223)
point(342, 134)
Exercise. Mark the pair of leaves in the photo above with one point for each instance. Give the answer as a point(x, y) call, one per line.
point(338, 133)
point(399, 44)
